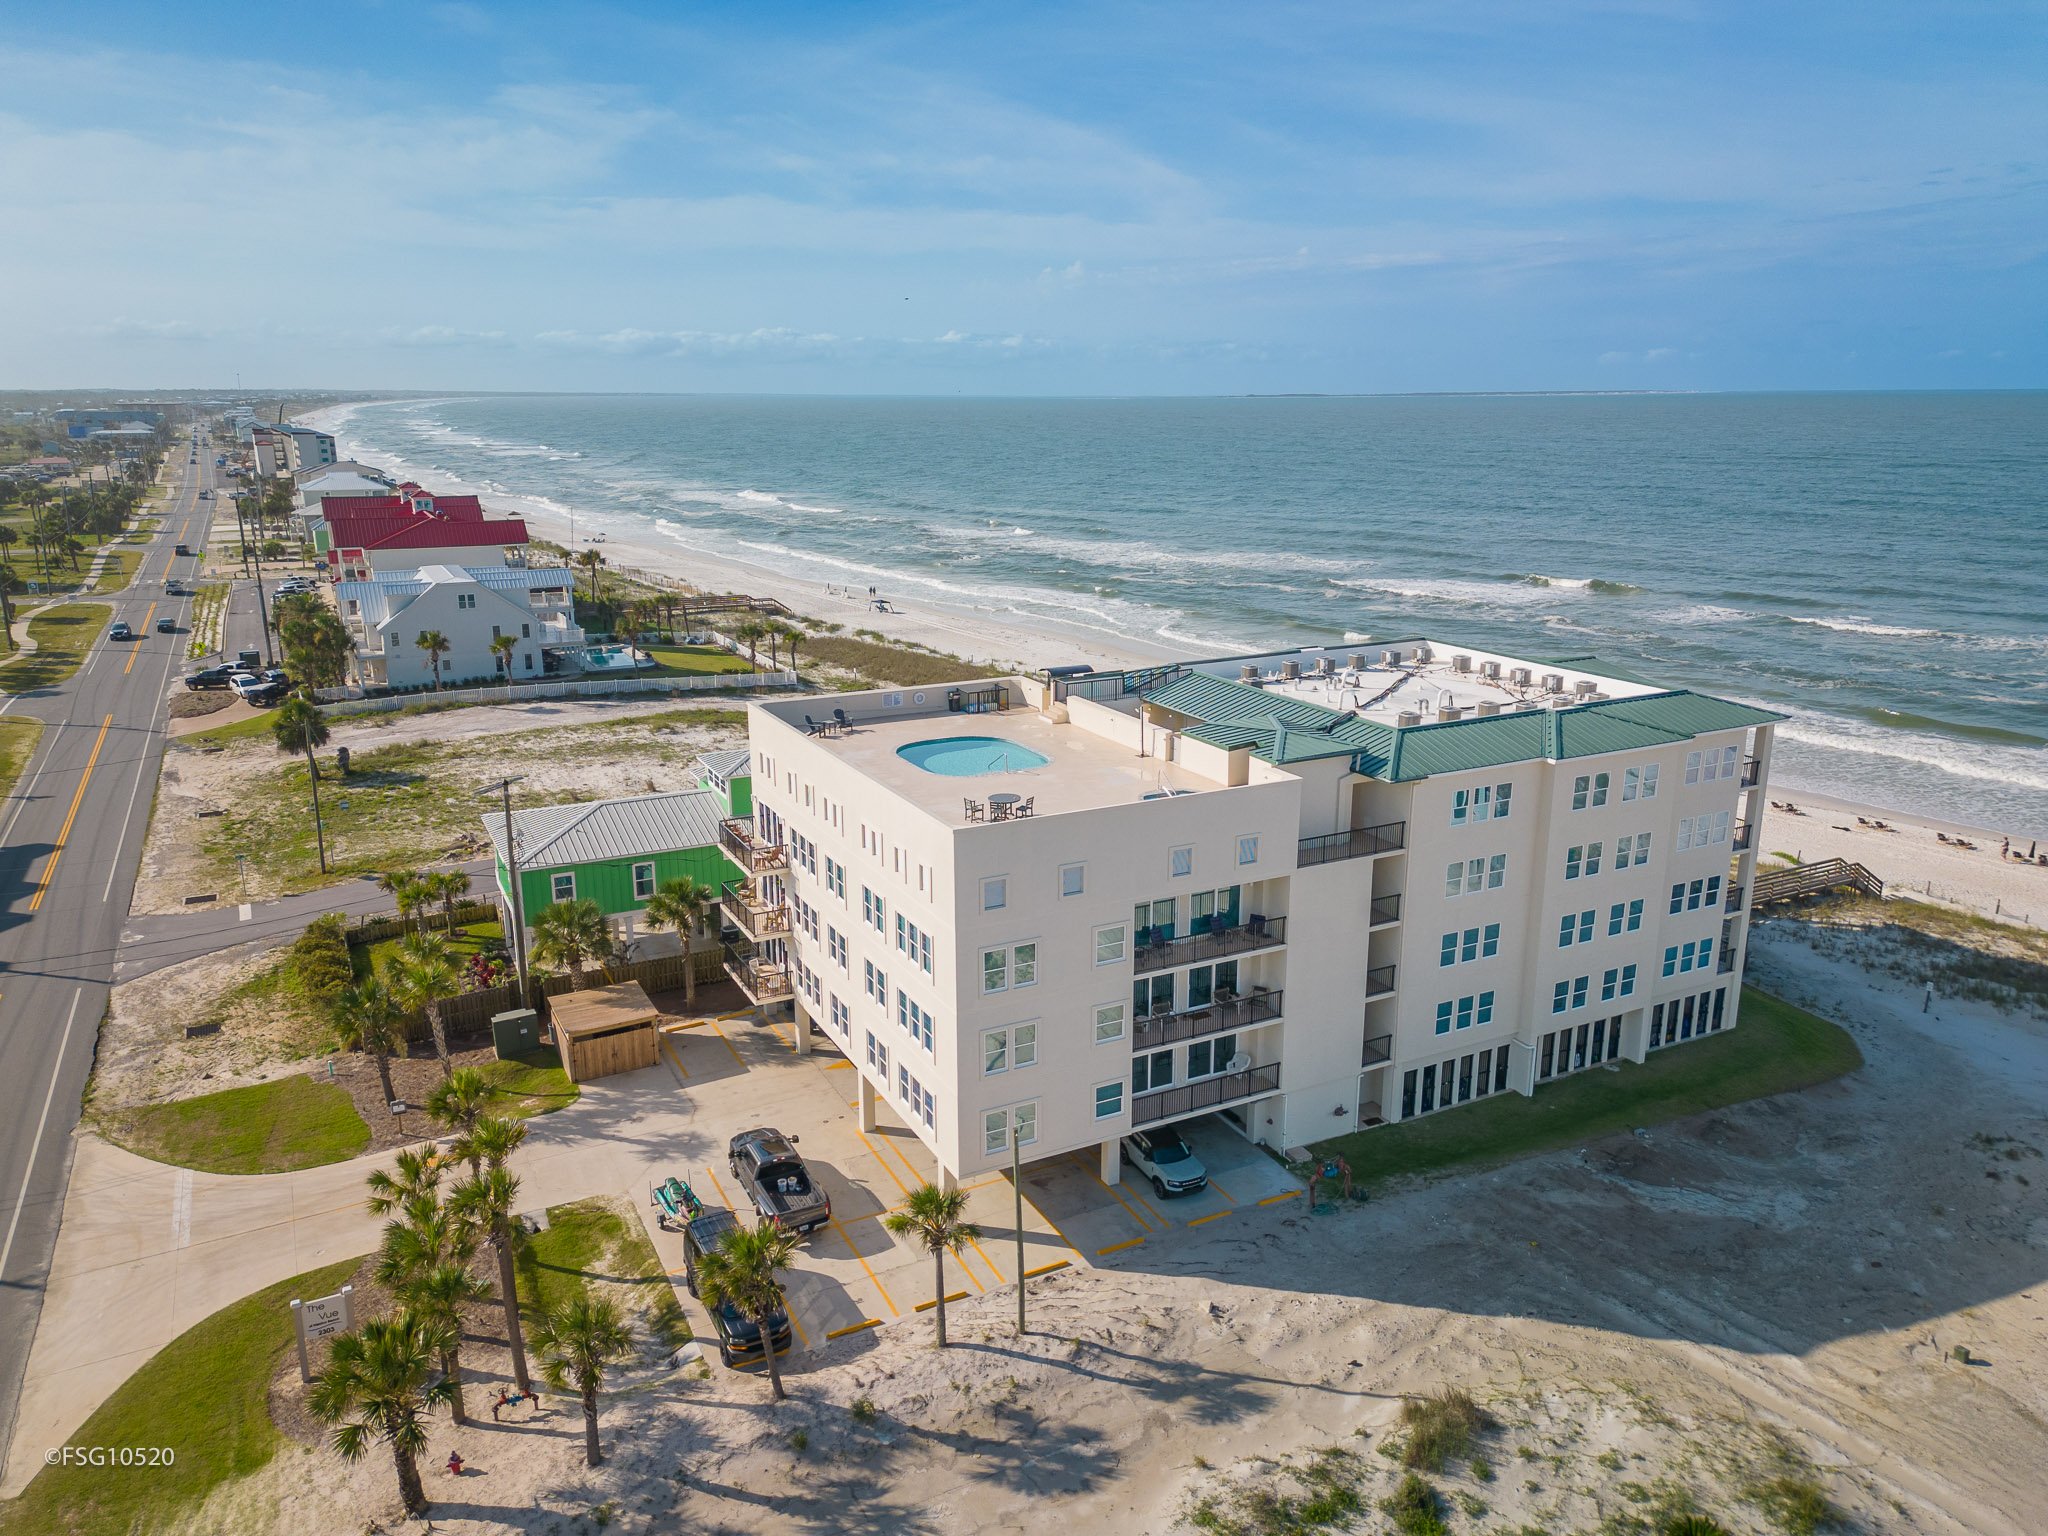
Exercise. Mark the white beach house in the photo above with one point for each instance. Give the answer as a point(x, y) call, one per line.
point(1307, 891)
point(386, 613)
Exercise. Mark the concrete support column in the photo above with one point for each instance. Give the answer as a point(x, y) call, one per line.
point(1112, 1163)
point(868, 1100)
point(803, 1027)
point(947, 1181)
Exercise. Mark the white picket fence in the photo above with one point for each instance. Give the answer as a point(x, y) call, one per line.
point(581, 688)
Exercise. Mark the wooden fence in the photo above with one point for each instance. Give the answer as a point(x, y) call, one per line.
point(470, 1013)
point(1808, 879)
point(371, 930)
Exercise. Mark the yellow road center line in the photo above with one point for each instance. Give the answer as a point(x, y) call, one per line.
point(1129, 1242)
point(1212, 1216)
point(840, 1333)
point(887, 1300)
point(138, 643)
point(50, 869)
point(1292, 1194)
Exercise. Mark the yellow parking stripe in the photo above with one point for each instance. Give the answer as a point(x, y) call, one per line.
point(1110, 1190)
point(736, 1056)
point(712, 1174)
point(887, 1300)
point(900, 1185)
point(1226, 1194)
point(1129, 1242)
point(1291, 1194)
point(1212, 1216)
point(673, 1056)
point(991, 1263)
point(926, 1306)
point(1045, 1269)
point(838, 1066)
point(840, 1333)
point(1076, 1252)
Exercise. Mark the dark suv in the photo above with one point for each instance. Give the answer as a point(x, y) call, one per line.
point(739, 1336)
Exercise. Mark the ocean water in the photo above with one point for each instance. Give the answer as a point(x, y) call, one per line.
point(1875, 566)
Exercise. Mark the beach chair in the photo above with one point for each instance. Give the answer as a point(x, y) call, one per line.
point(1029, 807)
point(839, 718)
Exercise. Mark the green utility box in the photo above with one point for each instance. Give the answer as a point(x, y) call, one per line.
point(515, 1032)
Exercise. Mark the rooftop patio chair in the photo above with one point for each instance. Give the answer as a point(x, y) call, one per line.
point(812, 728)
point(1029, 807)
point(839, 717)
point(975, 809)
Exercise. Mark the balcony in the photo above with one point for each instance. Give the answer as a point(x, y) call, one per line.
point(752, 913)
point(1359, 842)
point(1262, 1007)
point(1734, 901)
point(764, 981)
point(1379, 1050)
point(1386, 911)
point(1253, 934)
point(1744, 836)
point(1379, 981)
point(1752, 771)
point(740, 842)
point(1205, 1093)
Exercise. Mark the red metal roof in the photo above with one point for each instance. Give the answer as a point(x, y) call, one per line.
point(384, 522)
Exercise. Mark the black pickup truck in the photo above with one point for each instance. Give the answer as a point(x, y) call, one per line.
point(739, 1336)
point(767, 1165)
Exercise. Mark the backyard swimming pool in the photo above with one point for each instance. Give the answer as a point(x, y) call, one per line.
point(961, 757)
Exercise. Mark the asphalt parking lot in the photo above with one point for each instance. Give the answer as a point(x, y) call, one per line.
point(737, 1071)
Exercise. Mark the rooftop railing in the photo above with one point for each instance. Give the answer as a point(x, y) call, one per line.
point(1254, 933)
point(1359, 842)
point(1205, 1093)
point(1262, 1007)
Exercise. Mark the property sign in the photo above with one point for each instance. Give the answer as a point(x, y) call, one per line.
point(322, 1319)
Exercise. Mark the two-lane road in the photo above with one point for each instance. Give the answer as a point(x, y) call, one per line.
point(70, 839)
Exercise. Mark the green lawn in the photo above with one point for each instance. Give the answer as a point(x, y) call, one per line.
point(470, 939)
point(18, 737)
point(1776, 1048)
point(204, 1396)
point(63, 636)
point(257, 727)
point(274, 1127)
point(532, 1083)
point(698, 659)
point(120, 567)
point(593, 1238)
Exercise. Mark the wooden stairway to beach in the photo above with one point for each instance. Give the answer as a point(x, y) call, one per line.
point(1806, 879)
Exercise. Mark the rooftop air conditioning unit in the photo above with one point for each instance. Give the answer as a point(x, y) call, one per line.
point(1448, 712)
point(1248, 673)
point(1424, 655)
point(1406, 718)
point(1553, 682)
point(1519, 677)
point(1390, 658)
point(1488, 708)
point(1461, 663)
point(1597, 698)
point(1489, 669)
point(1585, 687)
point(1523, 706)
point(1290, 671)
point(1326, 664)
point(1357, 662)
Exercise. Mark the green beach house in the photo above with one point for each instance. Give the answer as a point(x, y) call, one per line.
point(616, 852)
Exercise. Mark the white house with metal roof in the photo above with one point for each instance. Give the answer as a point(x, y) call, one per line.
point(471, 606)
point(1307, 891)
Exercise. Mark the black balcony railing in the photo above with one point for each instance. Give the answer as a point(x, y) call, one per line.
point(1385, 910)
point(1379, 1050)
point(1734, 901)
point(1216, 944)
point(1206, 1093)
point(1744, 835)
point(752, 913)
point(1262, 1007)
point(1727, 960)
point(1356, 843)
point(763, 981)
point(1379, 981)
point(1752, 770)
point(749, 850)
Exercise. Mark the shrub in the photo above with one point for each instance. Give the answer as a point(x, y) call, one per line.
point(864, 1410)
point(1692, 1525)
point(1795, 1502)
point(1441, 1428)
point(319, 959)
point(1416, 1508)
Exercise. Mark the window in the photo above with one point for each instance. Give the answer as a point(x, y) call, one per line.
point(1593, 858)
point(878, 1057)
point(1461, 805)
point(643, 881)
point(1574, 861)
point(1650, 781)
point(1614, 918)
point(1635, 914)
point(1677, 898)
point(1631, 783)
point(563, 886)
point(1692, 767)
point(997, 1124)
point(1073, 879)
point(1443, 1017)
point(1208, 1057)
point(1016, 966)
point(1109, 1023)
point(1109, 1100)
point(1721, 826)
point(916, 1022)
point(1109, 944)
point(1454, 878)
point(1560, 997)
point(842, 1016)
point(1579, 985)
point(1628, 980)
point(1247, 850)
point(1502, 794)
point(1485, 1010)
point(1013, 1046)
point(1582, 791)
point(1482, 802)
point(875, 982)
point(835, 877)
point(1489, 943)
point(1183, 861)
point(1449, 954)
point(910, 939)
point(1600, 786)
point(872, 911)
point(1671, 960)
point(1610, 981)
point(1470, 875)
point(1465, 1005)
point(1566, 927)
point(835, 944)
point(995, 894)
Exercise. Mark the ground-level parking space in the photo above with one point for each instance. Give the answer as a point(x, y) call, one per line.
point(736, 1070)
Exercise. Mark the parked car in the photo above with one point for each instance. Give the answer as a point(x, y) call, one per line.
point(253, 689)
point(767, 1164)
point(1167, 1161)
point(206, 495)
point(182, 549)
point(120, 631)
point(739, 1336)
point(167, 626)
point(209, 677)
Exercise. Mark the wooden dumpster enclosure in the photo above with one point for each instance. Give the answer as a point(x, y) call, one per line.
point(603, 1030)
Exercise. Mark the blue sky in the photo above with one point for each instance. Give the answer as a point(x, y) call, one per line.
point(1438, 195)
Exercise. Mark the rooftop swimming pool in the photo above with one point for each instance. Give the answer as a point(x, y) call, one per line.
point(963, 757)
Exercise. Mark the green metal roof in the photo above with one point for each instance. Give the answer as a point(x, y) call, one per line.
point(1283, 730)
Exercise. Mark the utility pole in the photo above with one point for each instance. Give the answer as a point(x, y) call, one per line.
point(503, 788)
point(1017, 1188)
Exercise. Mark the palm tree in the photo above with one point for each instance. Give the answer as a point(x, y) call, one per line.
point(937, 1219)
point(790, 636)
point(300, 727)
point(569, 934)
point(378, 1385)
point(425, 1261)
point(436, 645)
point(486, 1202)
point(415, 1177)
point(749, 634)
point(741, 1272)
point(592, 560)
point(502, 647)
point(458, 1104)
point(366, 1018)
point(403, 886)
point(576, 1342)
point(682, 904)
point(422, 978)
point(446, 886)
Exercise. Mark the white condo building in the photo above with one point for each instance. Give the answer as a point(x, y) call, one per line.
point(1310, 891)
